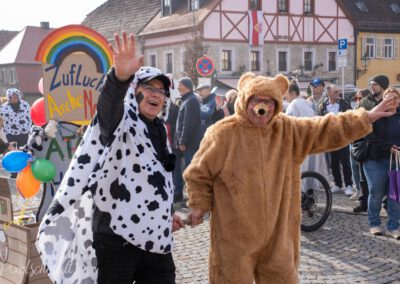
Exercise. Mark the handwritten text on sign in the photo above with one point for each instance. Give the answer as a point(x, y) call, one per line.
point(71, 90)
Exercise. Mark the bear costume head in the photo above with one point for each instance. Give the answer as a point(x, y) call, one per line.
point(251, 85)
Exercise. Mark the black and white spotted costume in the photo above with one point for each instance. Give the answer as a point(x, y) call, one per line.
point(123, 178)
point(16, 123)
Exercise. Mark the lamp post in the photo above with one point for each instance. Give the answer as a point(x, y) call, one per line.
point(365, 62)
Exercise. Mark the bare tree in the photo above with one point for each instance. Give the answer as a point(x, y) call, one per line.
point(194, 50)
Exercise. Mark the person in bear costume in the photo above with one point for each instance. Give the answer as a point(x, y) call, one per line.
point(247, 174)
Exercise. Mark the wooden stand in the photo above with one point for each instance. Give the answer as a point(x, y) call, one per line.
point(20, 262)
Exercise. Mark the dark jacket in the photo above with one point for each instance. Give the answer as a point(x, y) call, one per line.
point(385, 134)
point(208, 108)
point(344, 105)
point(110, 109)
point(368, 102)
point(188, 127)
point(171, 120)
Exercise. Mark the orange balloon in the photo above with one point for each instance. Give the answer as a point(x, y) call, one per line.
point(27, 185)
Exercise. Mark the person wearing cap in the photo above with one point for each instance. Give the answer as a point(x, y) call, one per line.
point(17, 117)
point(188, 132)
point(208, 106)
point(377, 85)
point(112, 219)
point(317, 93)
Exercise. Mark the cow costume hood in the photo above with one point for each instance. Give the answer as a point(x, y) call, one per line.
point(125, 180)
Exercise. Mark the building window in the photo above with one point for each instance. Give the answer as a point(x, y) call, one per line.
point(283, 6)
point(3, 76)
point(169, 63)
point(369, 48)
point(12, 76)
point(153, 60)
point(255, 5)
point(308, 7)
point(255, 61)
point(308, 61)
point(282, 61)
point(332, 61)
point(193, 5)
point(226, 60)
point(166, 8)
point(388, 48)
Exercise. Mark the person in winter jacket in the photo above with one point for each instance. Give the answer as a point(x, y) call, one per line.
point(384, 140)
point(17, 117)
point(188, 132)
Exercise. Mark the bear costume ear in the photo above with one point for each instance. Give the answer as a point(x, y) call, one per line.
point(246, 77)
point(282, 82)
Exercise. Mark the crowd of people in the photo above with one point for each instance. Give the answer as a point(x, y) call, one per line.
point(113, 215)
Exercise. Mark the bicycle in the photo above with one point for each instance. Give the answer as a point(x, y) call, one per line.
point(316, 201)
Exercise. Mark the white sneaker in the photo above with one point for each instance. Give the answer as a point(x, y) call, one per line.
point(376, 231)
point(336, 189)
point(394, 234)
point(349, 190)
point(355, 196)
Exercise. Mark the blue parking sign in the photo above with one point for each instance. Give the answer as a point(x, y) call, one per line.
point(342, 43)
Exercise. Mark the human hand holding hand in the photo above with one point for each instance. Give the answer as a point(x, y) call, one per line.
point(384, 109)
point(177, 223)
point(196, 216)
point(126, 62)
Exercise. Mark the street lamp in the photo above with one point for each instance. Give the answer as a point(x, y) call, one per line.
point(365, 62)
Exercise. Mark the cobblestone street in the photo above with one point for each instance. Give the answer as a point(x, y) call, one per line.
point(342, 251)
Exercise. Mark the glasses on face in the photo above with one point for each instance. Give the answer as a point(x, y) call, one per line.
point(268, 102)
point(153, 90)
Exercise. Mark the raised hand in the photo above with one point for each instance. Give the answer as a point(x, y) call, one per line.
point(126, 62)
point(384, 109)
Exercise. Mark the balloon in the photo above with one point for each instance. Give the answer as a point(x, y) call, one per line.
point(15, 161)
point(37, 112)
point(26, 183)
point(43, 170)
point(40, 85)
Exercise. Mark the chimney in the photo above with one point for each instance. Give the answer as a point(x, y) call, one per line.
point(45, 25)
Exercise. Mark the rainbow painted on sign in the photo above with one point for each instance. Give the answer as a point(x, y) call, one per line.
point(75, 38)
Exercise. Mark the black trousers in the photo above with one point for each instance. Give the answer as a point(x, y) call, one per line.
point(120, 262)
point(341, 157)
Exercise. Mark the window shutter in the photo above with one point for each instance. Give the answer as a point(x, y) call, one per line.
point(396, 48)
point(379, 47)
point(363, 47)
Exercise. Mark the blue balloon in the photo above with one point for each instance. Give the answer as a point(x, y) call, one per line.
point(15, 161)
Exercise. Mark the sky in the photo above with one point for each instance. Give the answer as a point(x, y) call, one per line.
point(17, 14)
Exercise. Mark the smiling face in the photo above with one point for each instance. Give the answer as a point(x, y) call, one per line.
point(153, 98)
point(14, 99)
point(257, 103)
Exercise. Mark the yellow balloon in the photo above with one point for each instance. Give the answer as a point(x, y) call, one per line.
point(27, 185)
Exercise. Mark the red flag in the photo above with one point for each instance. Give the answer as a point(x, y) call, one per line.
point(255, 29)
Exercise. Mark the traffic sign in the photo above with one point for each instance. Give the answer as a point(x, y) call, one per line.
point(205, 66)
point(342, 43)
point(342, 61)
point(342, 52)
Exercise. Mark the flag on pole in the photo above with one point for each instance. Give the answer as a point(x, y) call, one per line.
point(255, 29)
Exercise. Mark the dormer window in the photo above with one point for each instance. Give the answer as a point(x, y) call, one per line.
point(395, 8)
point(166, 8)
point(193, 5)
point(361, 6)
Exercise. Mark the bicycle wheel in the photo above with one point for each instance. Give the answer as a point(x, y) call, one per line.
point(316, 201)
